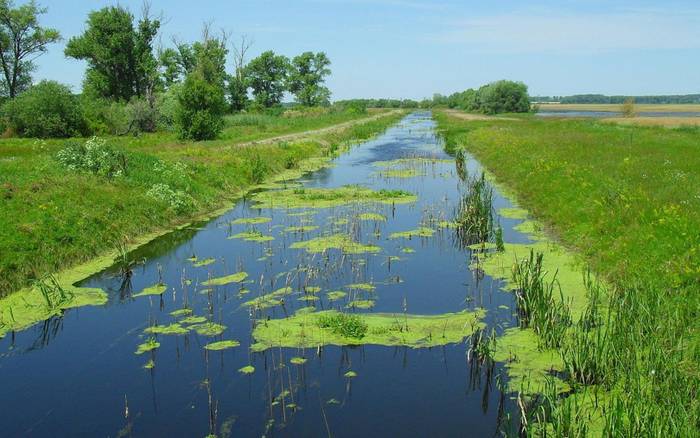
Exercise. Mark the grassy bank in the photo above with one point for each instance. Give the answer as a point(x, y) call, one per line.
point(52, 217)
point(628, 200)
point(672, 108)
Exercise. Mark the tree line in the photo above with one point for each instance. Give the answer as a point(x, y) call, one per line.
point(618, 100)
point(132, 86)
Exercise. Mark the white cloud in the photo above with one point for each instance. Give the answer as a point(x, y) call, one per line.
point(568, 32)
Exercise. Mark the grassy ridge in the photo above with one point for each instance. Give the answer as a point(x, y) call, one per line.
point(628, 199)
point(51, 217)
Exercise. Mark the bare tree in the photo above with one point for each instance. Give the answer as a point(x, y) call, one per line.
point(239, 55)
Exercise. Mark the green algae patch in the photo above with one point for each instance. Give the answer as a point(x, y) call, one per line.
point(367, 287)
point(415, 331)
point(252, 236)
point(401, 173)
point(336, 295)
point(447, 225)
point(361, 304)
point(251, 220)
point(301, 229)
point(221, 345)
point(556, 260)
point(408, 250)
point(513, 213)
point(181, 312)
point(418, 232)
point(156, 289)
point(171, 329)
point(208, 329)
point(202, 263)
point(341, 242)
point(193, 320)
point(149, 365)
point(412, 162)
point(350, 374)
point(271, 299)
point(532, 228)
point(297, 361)
point(528, 367)
point(248, 369)
point(326, 198)
point(372, 217)
point(147, 346)
point(312, 289)
point(222, 281)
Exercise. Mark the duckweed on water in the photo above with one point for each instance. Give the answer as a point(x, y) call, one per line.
point(248, 369)
point(419, 232)
point(205, 262)
point(222, 281)
point(147, 346)
point(401, 173)
point(341, 242)
point(417, 161)
point(416, 331)
point(269, 300)
point(172, 329)
point(326, 198)
point(312, 289)
point(336, 295)
point(408, 250)
point(208, 329)
point(149, 365)
point(156, 289)
point(301, 229)
point(297, 361)
point(251, 220)
point(221, 345)
point(372, 217)
point(252, 236)
point(368, 287)
point(181, 312)
point(361, 304)
point(350, 374)
point(513, 213)
point(193, 320)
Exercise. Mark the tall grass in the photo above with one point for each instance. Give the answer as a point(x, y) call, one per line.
point(474, 216)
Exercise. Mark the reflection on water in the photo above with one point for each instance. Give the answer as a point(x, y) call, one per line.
point(79, 374)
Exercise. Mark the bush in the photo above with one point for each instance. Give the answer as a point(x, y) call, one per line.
point(202, 104)
point(176, 199)
point(48, 109)
point(168, 104)
point(350, 326)
point(504, 97)
point(95, 156)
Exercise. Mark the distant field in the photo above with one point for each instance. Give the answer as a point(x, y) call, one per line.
point(668, 122)
point(614, 107)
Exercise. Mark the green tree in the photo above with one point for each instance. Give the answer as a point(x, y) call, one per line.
point(22, 40)
point(306, 77)
point(120, 58)
point(503, 97)
point(267, 75)
point(47, 109)
point(201, 100)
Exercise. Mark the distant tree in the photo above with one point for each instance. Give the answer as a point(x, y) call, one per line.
point(48, 109)
point(201, 100)
point(175, 63)
point(267, 75)
point(22, 40)
point(238, 82)
point(306, 77)
point(629, 108)
point(503, 97)
point(120, 58)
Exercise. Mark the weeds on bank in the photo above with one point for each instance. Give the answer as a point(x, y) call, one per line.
point(474, 216)
point(55, 296)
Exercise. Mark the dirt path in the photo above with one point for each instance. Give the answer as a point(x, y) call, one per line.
point(332, 128)
point(469, 116)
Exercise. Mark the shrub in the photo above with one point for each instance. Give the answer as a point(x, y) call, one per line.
point(168, 104)
point(48, 109)
point(94, 156)
point(178, 200)
point(343, 324)
point(504, 97)
point(200, 114)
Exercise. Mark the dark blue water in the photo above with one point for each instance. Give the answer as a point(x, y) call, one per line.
point(79, 376)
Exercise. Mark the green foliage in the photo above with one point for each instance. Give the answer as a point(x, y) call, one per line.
point(178, 200)
point(47, 109)
point(494, 98)
point(94, 156)
point(267, 75)
point(344, 324)
point(307, 74)
point(202, 106)
point(120, 61)
point(22, 40)
point(238, 93)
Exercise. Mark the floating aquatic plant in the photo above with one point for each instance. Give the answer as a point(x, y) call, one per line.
point(156, 289)
point(248, 369)
point(341, 242)
point(221, 345)
point(222, 281)
point(150, 345)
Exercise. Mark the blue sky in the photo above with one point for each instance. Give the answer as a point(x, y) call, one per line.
point(414, 48)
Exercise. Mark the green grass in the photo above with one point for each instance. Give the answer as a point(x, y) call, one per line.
point(628, 199)
point(52, 218)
